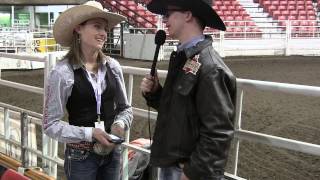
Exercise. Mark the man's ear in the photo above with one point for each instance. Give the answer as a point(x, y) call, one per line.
point(188, 16)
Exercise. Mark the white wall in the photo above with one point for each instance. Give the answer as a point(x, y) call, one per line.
point(139, 46)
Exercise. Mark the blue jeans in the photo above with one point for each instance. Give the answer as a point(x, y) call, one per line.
point(86, 165)
point(170, 173)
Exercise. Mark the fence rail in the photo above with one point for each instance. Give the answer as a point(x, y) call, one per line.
point(49, 149)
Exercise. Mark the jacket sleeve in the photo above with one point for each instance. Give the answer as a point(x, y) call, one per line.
point(55, 101)
point(124, 109)
point(215, 107)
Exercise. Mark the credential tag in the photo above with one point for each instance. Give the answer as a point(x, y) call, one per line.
point(100, 125)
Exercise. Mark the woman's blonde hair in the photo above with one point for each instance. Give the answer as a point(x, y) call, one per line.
point(75, 55)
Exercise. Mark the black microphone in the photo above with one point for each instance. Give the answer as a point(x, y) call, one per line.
point(159, 40)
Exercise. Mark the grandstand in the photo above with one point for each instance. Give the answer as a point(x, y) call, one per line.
point(269, 27)
point(137, 14)
point(244, 18)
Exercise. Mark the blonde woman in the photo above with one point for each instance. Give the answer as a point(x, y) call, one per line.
point(90, 86)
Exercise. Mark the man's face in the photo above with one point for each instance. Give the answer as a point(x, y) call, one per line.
point(174, 20)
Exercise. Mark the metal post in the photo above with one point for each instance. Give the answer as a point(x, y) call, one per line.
point(44, 137)
point(237, 126)
point(32, 17)
point(12, 16)
point(130, 88)
point(221, 49)
point(121, 39)
point(7, 128)
point(49, 147)
point(24, 139)
point(288, 37)
point(125, 171)
point(48, 27)
point(125, 174)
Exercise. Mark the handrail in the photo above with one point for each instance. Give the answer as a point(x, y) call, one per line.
point(21, 86)
point(279, 87)
point(142, 71)
point(20, 110)
point(24, 57)
point(241, 83)
point(274, 141)
point(34, 151)
point(144, 113)
point(29, 172)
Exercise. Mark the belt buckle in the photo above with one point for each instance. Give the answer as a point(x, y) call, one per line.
point(101, 149)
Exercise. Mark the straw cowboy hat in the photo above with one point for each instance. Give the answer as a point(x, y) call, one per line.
point(69, 19)
point(200, 8)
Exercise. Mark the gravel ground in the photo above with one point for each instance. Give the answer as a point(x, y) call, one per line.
point(280, 114)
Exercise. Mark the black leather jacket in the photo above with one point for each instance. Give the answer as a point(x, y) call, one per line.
point(195, 114)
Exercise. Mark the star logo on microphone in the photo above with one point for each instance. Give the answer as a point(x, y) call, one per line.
point(192, 65)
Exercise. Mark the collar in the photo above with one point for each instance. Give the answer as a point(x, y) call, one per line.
point(196, 48)
point(77, 66)
point(190, 43)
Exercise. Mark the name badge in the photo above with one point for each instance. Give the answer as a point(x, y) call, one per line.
point(192, 65)
point(99, 125)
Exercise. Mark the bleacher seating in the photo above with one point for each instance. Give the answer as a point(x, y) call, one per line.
point(9, 174)
point(301, 12)
point(136, 13)
point(238, 21)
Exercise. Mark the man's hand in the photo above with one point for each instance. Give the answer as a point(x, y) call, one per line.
point(149, 84)
point(184, 177)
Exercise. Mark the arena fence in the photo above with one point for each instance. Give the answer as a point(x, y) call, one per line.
point(17, 40)
point(49, 150)
point(242, 38)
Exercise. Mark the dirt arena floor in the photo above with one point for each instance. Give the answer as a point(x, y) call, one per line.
point(280, 114)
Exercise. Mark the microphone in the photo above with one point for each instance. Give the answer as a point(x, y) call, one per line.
point(159, 40)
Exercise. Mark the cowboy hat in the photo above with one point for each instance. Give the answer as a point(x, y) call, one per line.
point(200, 8)
point(64, 26)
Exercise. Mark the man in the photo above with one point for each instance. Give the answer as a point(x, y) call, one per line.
point(196, 105)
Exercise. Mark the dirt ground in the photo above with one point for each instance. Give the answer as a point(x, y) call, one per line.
point(280, 114)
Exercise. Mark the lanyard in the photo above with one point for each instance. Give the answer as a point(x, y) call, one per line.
point(96, 82)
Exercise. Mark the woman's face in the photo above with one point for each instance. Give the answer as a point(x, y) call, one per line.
point(93, 33)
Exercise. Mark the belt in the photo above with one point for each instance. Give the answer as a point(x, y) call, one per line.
point(81, 146)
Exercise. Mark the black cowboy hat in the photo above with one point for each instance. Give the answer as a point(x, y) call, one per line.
point(200, 8)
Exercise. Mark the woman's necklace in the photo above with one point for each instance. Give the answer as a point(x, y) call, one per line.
point(92, 67)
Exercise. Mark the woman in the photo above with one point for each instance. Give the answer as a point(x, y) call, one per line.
point(90, 86)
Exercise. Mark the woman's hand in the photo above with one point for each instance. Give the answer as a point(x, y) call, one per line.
point(104, 146)
point(118, 129)
point(102, 137)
